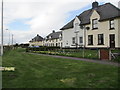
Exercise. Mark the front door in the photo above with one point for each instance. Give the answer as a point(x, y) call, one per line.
point(112, 40)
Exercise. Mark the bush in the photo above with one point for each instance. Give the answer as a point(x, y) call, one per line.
point(44, 48)
point(117, 59)
point(7, 48)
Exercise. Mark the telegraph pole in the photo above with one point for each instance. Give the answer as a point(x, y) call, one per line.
point(12, 39)
point(2, 30)
point(9, 38)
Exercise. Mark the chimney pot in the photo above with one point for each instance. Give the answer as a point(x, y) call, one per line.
point(53, 31)
point(95, 4)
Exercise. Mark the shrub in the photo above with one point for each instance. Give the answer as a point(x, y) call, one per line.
point(44, 48)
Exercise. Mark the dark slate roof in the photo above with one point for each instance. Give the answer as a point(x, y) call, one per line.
point(106, 12)
point(54, 35)
point(37, 38)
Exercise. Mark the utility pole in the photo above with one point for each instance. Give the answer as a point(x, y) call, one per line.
point(12, 39)
point(2, 30)
point(9, 37)
point(119, 4)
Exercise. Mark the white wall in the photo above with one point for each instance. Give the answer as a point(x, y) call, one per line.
point(53, 42)
point(68, 34)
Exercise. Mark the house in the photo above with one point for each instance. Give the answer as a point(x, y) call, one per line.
point(97, 27)
point(53, 39)
point(36, 41)
point(72, 34)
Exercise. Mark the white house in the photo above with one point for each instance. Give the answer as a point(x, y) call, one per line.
point(53, 39)
point(73, 34)
point(98, 27)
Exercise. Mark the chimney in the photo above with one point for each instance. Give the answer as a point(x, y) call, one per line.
point(53, 31)
point(95, 4)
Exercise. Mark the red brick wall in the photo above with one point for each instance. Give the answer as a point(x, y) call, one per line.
point(104, 54)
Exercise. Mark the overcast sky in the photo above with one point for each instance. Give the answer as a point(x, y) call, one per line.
point(27, 18)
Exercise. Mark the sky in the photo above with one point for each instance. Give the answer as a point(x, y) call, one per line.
point(27, 18)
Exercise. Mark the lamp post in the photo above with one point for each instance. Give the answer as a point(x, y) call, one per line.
point(84, 35)
point(76, 38)
point(76, 32)
point(2, 30)
point(84, 41)
point(9, 37)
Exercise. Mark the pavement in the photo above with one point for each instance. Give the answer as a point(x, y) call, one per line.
point(107, 62)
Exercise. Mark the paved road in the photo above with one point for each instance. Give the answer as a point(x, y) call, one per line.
point(83, 59)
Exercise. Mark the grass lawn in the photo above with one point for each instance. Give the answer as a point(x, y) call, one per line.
point(117, 59)
point(36, 71)
point(91, 54)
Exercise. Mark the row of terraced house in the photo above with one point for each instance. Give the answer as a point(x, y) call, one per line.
point(98, 27)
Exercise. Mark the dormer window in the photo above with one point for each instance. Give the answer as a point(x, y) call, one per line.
point(95, 24)
point(112, 24)
point(60, 37)
point(76, 26)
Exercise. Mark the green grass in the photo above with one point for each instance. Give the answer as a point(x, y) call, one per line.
point(37, 71)
point(117, 59)
point(115, 51)
point(91, 54)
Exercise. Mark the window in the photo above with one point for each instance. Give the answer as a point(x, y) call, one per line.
point(81, 39)
point(56, 44)
point(73, 40)
point(90, 39)
point(112, 25)
point(95, 24)
point(66, 42)
point(61, 44)
point(60, 38)
point(76, 26)
point(56, 40)
point(100, 39)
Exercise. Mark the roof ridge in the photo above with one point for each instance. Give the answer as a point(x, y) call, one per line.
point(98, 7)
point(92, 8)
point(83, 15)
point(54, 32)
point(115, 6)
